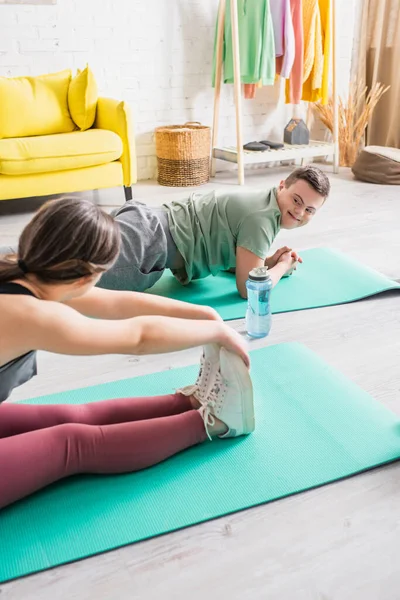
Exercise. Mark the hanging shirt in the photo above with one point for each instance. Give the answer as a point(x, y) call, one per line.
point(294, 85)
point(20, 369)
point(325, 12)
point(207, 228)
point(313, 57)
point(256, 43)
point(316, 87)
point(283, 36)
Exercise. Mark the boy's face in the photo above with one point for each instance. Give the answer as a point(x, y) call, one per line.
point(298, 203)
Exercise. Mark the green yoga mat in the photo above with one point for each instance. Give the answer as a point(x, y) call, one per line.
point(313, 426)
point(326, 277)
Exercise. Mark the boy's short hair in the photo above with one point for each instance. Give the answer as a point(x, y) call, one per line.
point(313, 176)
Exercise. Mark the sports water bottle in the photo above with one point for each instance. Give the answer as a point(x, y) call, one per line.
point(258, 315)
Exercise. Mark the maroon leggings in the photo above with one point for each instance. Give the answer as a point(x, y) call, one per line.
point(41, 444)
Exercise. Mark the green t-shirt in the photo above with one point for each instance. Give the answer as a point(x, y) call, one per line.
point(207, 228)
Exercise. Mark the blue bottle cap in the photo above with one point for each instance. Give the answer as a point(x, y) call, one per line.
point(259, 274)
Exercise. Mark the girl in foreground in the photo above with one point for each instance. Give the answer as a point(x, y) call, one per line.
point(48, 302)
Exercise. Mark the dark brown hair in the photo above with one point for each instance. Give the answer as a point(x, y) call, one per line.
point(313, 176)
point(67, 239)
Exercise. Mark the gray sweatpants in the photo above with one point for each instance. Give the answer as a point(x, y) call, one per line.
point(147, 248)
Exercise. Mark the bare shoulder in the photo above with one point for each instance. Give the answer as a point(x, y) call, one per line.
point(21, 318)
point(16, 310)
point(14, 315)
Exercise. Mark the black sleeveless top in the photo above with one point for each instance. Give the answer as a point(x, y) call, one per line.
point(20, 369)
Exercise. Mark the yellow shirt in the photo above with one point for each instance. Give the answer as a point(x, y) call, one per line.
point(316, 25)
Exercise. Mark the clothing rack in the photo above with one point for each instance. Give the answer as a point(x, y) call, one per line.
point(236, 154)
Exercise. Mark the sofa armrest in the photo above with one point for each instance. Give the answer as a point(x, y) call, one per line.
point(116, 116)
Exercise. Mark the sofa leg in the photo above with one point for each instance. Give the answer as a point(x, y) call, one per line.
point(128, 193)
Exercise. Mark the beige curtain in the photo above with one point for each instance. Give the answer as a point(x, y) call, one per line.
point(379, 61)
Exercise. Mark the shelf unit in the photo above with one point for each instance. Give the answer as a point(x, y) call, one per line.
point(236, 154)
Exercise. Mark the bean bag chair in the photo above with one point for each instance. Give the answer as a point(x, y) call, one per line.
point(377, 164)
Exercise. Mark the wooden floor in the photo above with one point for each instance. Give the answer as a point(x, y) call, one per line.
point(339, 542)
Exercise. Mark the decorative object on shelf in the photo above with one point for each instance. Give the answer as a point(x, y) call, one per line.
point(296, 132)
point(352, 120)
point(273, 145)
point(256, 147)
point(263, 146)
point(183, 154)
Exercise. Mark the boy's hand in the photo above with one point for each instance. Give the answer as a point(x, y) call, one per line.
point(290, 259)
point(296, 256)
point(273, 260)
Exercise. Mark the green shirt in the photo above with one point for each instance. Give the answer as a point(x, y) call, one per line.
point(256, 43)
point(207, 228)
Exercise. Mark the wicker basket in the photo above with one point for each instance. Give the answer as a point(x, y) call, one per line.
point(183, 154)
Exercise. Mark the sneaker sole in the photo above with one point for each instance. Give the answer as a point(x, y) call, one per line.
point(246, 387)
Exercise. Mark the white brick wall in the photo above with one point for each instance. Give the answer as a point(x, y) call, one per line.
point(156, 54)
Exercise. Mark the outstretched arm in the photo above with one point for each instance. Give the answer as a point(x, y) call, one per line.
point(109, 304)
point(44, 325)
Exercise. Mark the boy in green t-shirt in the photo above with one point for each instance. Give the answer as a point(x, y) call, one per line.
point(215, 231)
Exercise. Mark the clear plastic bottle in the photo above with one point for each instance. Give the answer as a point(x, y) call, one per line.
point(258, 315)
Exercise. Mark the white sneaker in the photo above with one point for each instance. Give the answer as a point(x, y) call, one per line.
point(209, 367)
point(230, 398)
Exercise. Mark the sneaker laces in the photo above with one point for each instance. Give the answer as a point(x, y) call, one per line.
point(199, 388)
point(208, 418)
point(213, 401)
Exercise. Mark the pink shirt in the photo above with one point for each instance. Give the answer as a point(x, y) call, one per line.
point(294, 86)
point(283, 35)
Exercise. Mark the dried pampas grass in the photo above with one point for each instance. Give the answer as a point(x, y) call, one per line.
point(354, 115)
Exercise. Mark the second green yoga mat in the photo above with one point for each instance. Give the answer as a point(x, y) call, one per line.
point(326, 277)
point(313, 426)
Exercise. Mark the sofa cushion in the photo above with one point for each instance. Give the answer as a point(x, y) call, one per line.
point(35, 105)
point(378, 164)
point(59, 152)
point(82, 99)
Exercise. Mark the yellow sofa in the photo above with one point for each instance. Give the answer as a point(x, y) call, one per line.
point(44, 152)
